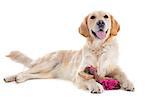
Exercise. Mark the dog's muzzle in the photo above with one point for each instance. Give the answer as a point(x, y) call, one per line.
point(100, 33)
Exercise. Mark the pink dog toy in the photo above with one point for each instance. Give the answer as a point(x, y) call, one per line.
point(107, 83)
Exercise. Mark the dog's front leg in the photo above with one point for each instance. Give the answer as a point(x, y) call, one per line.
point(125, 83)
point(87, 84)
point(107, 67)
point(90, 85)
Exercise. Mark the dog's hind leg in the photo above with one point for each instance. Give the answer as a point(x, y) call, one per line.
point(39, 71)
point(22, 77)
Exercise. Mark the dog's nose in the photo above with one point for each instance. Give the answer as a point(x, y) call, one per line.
point(101, 23)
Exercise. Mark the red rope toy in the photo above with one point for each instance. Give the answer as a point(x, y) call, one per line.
point(107, 82)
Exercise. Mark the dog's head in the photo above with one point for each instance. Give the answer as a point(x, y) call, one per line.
point(99, 25)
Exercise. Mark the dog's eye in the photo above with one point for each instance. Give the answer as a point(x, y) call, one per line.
point(106, 16)
point(92, 17)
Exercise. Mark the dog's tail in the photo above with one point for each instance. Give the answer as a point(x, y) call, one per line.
point(20, 58)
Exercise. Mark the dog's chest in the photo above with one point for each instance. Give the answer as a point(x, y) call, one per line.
point(103, 57)
point(93, 56)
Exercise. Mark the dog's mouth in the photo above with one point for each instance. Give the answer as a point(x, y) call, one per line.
point(99, 34)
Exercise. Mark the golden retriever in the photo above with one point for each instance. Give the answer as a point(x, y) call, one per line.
point(101, 50)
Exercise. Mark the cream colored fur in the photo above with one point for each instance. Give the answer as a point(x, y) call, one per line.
point(66, 65)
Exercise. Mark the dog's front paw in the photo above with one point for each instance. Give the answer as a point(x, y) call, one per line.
point(128, 86)
point(95, 87)
point(98, 88)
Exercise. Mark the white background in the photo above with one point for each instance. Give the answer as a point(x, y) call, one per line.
point(36, 27)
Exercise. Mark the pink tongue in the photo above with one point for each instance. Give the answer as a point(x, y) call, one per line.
point(101, 35)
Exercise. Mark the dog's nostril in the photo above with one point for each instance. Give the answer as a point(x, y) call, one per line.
point(100, 23)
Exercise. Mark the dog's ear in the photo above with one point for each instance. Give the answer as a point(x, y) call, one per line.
point(115, 27)
point(83, 29)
